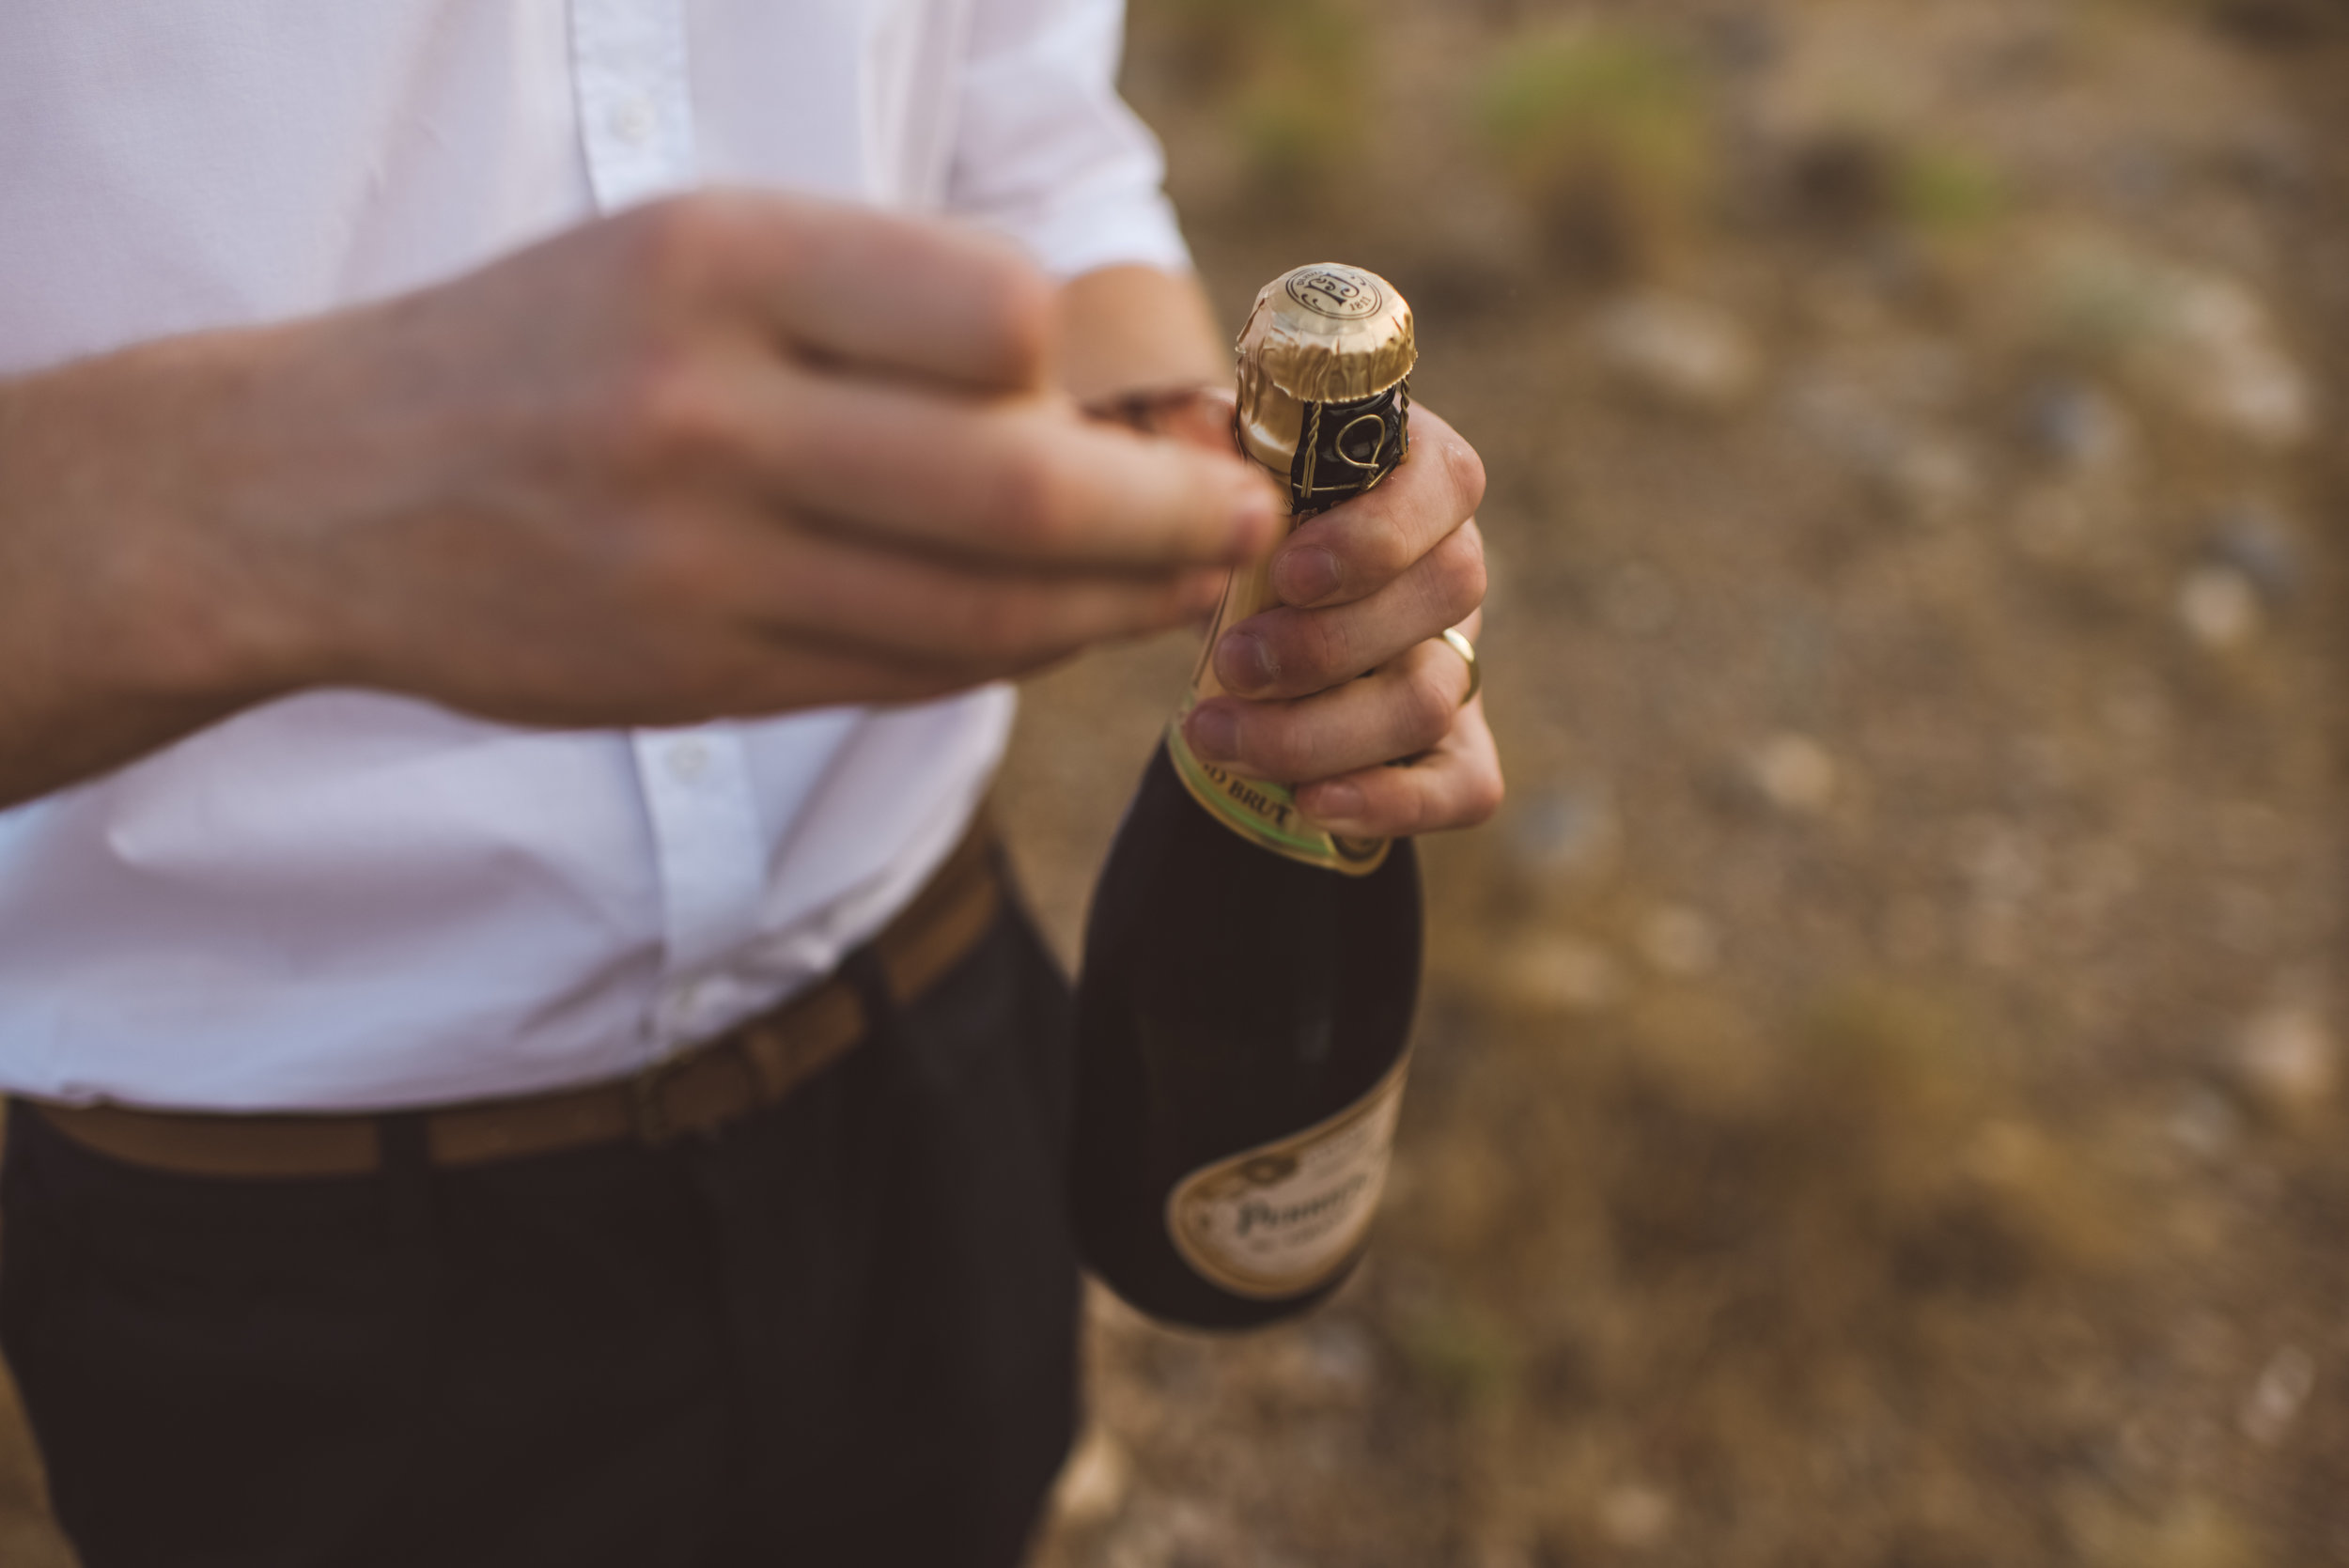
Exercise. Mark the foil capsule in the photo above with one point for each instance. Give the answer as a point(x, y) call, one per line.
point(1324, 366)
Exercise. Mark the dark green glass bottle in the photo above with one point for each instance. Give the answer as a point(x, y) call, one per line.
point(1244, 1011)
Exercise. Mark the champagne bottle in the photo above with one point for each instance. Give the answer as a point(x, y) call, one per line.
point(1245, 1006)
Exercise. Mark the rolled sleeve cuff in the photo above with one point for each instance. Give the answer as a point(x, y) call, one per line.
point(1046, 151)
point(1133, 228)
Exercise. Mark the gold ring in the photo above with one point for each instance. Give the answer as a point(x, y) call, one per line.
point(1467, 650)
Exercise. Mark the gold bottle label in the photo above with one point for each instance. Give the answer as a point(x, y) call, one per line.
point(1267, 814)
point(1280, 1219)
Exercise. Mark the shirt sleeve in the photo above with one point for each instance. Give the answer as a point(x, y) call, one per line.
point(1045, 149)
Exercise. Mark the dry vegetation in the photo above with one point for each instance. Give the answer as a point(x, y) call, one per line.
point(1876, 1103)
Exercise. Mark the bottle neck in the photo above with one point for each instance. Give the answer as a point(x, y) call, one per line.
point(1343, 449)
point(1325, 454)
point(1248, 592)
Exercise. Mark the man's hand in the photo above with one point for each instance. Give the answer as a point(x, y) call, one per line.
point(732, 454)
point(1350, 672)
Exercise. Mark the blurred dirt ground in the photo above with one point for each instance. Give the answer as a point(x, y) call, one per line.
point(1879, 1098)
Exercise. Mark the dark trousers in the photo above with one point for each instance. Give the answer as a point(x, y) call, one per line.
point(839, 1332)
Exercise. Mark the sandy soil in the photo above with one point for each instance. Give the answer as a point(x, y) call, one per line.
point(1877, 1102)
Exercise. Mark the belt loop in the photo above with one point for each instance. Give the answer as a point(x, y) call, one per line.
point(868, 977)
point(405, 1156)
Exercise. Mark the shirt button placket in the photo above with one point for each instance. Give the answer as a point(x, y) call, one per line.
point(632, 121)
point(636, 124)
point(631, 84)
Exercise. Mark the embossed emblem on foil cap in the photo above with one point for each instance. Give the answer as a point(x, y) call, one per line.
point(1343, 295)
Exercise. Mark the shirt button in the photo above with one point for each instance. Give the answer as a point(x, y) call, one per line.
point(631, 119)
point(688, 760)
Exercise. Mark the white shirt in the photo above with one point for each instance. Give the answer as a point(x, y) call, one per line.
point(349, 899)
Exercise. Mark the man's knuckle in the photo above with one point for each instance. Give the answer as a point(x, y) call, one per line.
point(1270, 742)
point(1031, 502)
point(1411, 812)
point(673, 562)
point(1483, 799)
point(1430, 701)
point(669, 244)
point(1168, 605)
point(999, 624)
point(1464, 470)
point(1315, 649)
point(1297, 757)
point(1460, 575)
point(1381, 554)
point(1020, 303)
point(665, 410)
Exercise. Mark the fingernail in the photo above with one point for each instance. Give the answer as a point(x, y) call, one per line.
point(1213, 734)
point(1306, 576)
point(1204, 592)
point(1335, 805)
point(1255, 517)
point(1244, 663)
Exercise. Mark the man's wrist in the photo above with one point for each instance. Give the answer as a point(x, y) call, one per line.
point(133, 603)
point(1131, 329)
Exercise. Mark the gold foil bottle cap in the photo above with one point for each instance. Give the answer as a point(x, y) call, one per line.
point(1329, 333)
point(1323, 333)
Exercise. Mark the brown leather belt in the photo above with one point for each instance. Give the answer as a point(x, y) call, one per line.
point(754, 1064)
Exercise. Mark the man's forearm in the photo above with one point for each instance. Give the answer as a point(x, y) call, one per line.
point(652, 470)
point(121, 626)
point(1130, 328)
point(118, 634)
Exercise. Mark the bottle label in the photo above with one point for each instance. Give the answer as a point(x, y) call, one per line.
point(1341, 293)
point(1280, 1219)
point(1266, 813)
